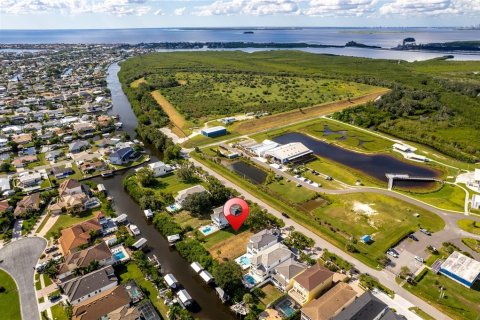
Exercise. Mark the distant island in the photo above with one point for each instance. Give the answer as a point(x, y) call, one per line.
point(248, 32)
point(360, 45)
point(410, 44)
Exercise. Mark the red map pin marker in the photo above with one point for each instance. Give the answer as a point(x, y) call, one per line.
point(236, 212)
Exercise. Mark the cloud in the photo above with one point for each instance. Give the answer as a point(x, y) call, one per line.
point(73, 7)
point(249, 7)
point(430, 7)
point(159, 12)
point(179, 11)
point(340, 7)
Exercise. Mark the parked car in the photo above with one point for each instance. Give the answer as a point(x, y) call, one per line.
point(392, 253)
point(412, 236)
point(285, 215)
point(425, 231)
point(419, 259)
point(51, 249)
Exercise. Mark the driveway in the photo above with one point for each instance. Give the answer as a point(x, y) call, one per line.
point(17, 229)
point(19, 260)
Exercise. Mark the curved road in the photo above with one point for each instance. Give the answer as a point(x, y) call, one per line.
point(385, 277)
point(19, 260)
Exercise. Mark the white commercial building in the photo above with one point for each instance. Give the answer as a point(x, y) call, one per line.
point(288, 152)
point(476, 201)
point(461, 268)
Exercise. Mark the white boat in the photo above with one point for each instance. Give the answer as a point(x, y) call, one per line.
point(148, 213)
point(121, 218)
point(140, 243)
point(171, 281)
point(184, 297)
point(206, 276)
point(134, 229)
point(173, 238)
point(196, 266)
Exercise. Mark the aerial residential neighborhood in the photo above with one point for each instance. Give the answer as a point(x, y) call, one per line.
point(118, 163)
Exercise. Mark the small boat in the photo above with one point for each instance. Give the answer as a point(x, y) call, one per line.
point(185, 298)
point(171, 281)
point(107, 173)
point(134, 229)
point(139, 244)
point(148, 213)
point(173, 238)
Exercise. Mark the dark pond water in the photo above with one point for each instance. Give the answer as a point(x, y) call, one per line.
point(373, 165)
point(208, 305)
point(249, 172)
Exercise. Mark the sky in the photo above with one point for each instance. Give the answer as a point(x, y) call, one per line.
point(95, 14)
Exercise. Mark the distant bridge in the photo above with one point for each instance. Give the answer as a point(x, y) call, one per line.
point(399, 176)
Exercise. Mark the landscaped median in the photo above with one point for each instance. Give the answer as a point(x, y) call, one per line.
point(469, 225)
point(342, 219)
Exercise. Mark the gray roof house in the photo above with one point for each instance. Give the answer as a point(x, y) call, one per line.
point(264, 262)
point(183, 194)
point(285, 272)
point(367, 307)
point(78, 146)
point(81, 288)
point(262, 240)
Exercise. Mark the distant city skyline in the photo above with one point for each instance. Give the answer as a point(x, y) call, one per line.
point(95, 14)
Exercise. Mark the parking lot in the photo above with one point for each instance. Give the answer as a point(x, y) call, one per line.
point(407, 250)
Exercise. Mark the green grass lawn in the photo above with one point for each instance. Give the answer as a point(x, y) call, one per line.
point(42, 224)
point(46, 280)
point(458, 302)
point(290, 191)
point(473, 244)
point(449, 197)
point(132, 272)
point(58, 312)
point(342, 173)
point(469, 225)
point(172, 184)
point(9, 300)
point(217, 237)
point(66, 220)
point(422, 314)
point(270, 294)
point(184, 218)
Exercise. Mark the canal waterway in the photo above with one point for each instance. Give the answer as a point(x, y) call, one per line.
point(373, 165)
point(208, 303)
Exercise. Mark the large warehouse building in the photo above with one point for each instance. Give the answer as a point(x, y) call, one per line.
point(214, 131)
point(290, 152)
point(461, 268)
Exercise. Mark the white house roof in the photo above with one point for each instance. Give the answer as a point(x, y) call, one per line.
point(213, 129)
point(273, 254)
point(158, 164)
point(184, 193)
point(5, 184)
point(462, 266)
point(289, 151)
point(29, 177)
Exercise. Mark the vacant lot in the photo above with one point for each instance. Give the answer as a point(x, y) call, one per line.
point(232, 247)
point(181, 125)
point(458, 301)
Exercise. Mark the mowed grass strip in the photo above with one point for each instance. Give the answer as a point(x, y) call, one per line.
point(448, 197)
point(469, 225)
point(458, 301)
point(289, 117)
point(9, 299)
point(175, 117)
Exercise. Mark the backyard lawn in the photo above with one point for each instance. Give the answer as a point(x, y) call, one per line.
point(67, 220)
point(58, 312)
point(184, 218)
point(9, 300)
point(469, 225)
point(132, 272)
point(231, 247)
point(458, 301)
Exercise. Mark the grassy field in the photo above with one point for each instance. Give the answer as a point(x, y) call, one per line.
point(469, 225)
point(230, 246)
point(473, 244)
point(458, 302)
point(137, 82)
point(66, 220)
point(132, 272)
point(290, 191)
point(172, 184)
point(334, 222)
point(449, 197)
point(184, 218)
point(9, 300)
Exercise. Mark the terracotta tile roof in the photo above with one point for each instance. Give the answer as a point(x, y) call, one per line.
point(78, 234)
point(4, 206)
point(331, 303)
point(101, 304)
point(313, 276)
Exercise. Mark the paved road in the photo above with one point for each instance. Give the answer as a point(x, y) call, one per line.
point(385, 277)
point(19, 259)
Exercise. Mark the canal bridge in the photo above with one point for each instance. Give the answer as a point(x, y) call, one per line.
point(400, 176)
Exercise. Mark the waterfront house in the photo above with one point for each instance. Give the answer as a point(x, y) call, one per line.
point(62, 172)
point(81, 288)
point(29, 179)
point(262, 240)
point(284, 273)
point(79, 234)
point(82, 259)
point(122, 156)
point(367, 307)
point(160, 169)
point(310, 284)
point(264, 262)
point(218, 218)
point(78, 146)
point(183, 194)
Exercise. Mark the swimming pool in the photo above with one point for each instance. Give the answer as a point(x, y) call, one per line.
point(206, 230)
point(173, 207)
point(249, 280)
point(244, 261)
point(119, 255)
point(286, 306)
